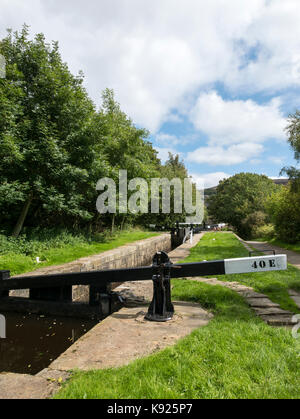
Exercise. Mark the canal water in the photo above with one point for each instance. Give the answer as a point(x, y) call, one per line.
point(34, 341)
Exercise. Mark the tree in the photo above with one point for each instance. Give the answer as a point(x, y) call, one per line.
point(55, 145)
point(240, 201)
point(46, 123)
point(126, 148)
point(283, 206)
point(283, 209)
point(172, 169)
point(293, 131)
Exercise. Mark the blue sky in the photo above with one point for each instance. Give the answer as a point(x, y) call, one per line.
point(267, 158)
point(212, 80)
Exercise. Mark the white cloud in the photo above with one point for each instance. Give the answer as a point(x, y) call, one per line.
point(209, 179)
point(277, 177)
point(256, 161)
point(173, 140)
point(275, 32)
point(237, 121)
point(167, 139)
point(277, 160)
point(217, 155)
point(155, 54)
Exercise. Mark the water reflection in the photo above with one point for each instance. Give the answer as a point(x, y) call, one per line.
point(33, 341)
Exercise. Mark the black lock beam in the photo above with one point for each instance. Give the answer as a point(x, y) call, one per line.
point(4, 275)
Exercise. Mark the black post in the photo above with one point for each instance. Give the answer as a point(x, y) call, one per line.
point(161, 309)
point(3, 276)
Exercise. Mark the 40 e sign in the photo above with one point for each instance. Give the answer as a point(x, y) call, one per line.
point(271, 263)
point(255, 264)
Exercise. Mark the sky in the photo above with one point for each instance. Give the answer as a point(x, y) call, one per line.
point(213, 81)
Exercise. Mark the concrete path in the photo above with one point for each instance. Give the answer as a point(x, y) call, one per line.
point(126, 336)
point(265, 247)
point(21, 386)
point(183, 251)
point(293, 257)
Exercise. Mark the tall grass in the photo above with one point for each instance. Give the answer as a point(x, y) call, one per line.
point(55, 247)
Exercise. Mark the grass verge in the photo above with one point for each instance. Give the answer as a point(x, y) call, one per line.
point(19, 256)
point(295, 247)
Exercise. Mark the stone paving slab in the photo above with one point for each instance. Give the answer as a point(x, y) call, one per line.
point(268, 311)
point(21, 386)
point(262, 311)
point(125, 336)
point(279, 320)
point(251, 294)
point(261, 302)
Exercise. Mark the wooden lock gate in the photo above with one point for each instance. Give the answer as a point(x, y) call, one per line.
point(58, 287)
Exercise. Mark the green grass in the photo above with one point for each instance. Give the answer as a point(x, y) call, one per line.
point(295, 247)
point(274, 284)
point(20, 256)
point(235, 356)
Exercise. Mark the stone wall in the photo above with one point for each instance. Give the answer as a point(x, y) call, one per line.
point(132, 255)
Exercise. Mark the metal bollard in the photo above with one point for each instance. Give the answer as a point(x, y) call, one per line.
point(161, 309)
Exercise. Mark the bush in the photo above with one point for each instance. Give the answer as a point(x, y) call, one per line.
point(240, 201)
point(251, 223)
point(265, 231)
point(283, 209)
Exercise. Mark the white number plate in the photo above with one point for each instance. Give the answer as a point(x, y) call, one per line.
point(255, 264)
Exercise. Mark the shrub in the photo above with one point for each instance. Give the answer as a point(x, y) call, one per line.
point(265, 231)
point(251, 223)
point(283, 209)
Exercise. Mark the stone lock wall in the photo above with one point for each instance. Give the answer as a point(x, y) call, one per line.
point(132, 255)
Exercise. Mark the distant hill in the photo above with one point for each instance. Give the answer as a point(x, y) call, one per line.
point(281, 181)
point(211, 191)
